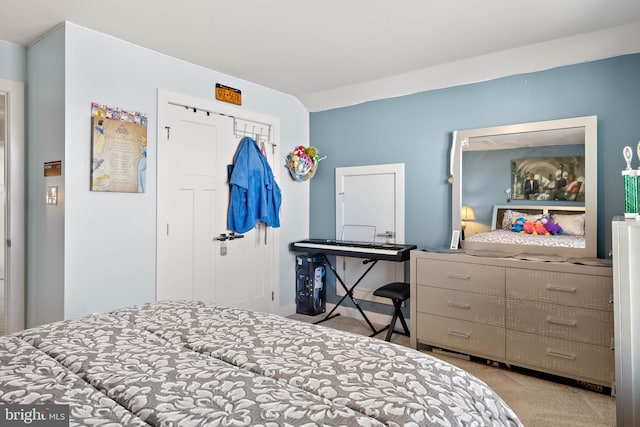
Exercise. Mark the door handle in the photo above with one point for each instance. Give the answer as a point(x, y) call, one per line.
point(223, 237)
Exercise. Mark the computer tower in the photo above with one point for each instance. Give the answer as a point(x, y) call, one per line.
point(310, 285)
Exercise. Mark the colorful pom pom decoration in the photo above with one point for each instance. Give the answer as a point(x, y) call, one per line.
point(303, 162)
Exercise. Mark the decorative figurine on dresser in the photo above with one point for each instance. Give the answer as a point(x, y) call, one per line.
point(631, 182)
point(542, 302)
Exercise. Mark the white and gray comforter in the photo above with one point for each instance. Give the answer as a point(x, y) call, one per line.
point(508, 237)
point(194, 364)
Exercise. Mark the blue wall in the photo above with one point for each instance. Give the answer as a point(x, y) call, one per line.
point(416, 130)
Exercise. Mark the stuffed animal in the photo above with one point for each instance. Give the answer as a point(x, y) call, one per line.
point(518, 225)
point(540, 229)
point(551, 227)
point(529, 227)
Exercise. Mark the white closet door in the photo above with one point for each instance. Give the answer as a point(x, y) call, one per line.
point(194, 151)
point(370, 205)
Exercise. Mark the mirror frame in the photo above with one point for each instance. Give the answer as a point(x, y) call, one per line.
point(590, 124)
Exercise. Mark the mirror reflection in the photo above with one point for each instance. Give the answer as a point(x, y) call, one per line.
point(531, 188)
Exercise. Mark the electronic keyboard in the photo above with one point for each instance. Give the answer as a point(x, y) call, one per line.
point(369, 250)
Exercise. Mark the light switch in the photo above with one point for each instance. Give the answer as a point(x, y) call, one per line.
point(52, 195)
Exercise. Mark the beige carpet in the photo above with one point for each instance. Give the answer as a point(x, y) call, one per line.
point(539, 402)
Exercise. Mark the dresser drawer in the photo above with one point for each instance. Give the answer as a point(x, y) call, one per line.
point(577, 290)
point(484, 279)
point(461, 335)
point(588, 362)
point(487, 309)
point(552, 320)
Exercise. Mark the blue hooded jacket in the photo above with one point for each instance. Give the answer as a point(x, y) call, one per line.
point(255, 195)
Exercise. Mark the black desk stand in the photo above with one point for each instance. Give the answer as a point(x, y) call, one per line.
point(349, 293)
point(371, 252)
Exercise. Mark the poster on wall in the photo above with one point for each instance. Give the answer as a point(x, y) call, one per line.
point(548, 178)
point(118, 150)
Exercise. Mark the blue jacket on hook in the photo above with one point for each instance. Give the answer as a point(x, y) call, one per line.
point(255, 195)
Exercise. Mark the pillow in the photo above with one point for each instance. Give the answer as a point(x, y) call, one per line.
point(510, 217)
point(571, 224)
point(534, 217)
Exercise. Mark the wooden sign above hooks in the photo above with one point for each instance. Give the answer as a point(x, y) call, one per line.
point(228, 94)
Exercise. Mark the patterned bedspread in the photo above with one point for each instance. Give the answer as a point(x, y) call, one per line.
point(194, 364)
point(511, 238)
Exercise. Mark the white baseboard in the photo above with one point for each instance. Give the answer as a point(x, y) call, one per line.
point(353, 313)
point(350, 312)
point(287, 310)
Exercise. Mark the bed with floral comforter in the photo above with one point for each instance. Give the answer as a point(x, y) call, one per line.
point(193, 364)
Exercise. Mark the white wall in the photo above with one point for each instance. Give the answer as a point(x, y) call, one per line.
point(13, 61)
point(45, 225)
point(109, 238)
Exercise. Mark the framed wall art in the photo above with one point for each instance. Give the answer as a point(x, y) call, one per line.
point(118, 150)
point(548, 178)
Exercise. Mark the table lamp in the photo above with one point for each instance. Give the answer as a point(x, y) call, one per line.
point(467, 215)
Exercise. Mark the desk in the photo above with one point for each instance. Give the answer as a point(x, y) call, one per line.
point(371, 254)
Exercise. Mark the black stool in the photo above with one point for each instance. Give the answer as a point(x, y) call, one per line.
point(397, 292)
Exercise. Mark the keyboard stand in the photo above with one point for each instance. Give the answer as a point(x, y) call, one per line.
point(349, 293)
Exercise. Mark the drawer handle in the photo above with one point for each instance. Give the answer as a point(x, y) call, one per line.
point(564, 322)
point(458, 334)
point(459, 276)
point(458, 305)
point(560, 288)
point(561, 355)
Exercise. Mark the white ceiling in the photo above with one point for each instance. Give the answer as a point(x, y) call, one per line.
point(302, 47)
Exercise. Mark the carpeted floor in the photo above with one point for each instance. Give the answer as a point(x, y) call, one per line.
point(539, 402)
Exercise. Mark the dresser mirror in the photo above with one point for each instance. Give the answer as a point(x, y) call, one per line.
point(490, 169)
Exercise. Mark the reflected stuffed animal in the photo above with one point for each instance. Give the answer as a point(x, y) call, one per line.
point(529, 227)
point(551, 226)
point(540, 229)
point(518, 225)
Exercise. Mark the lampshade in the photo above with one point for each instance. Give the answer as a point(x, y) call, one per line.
point(467, 214)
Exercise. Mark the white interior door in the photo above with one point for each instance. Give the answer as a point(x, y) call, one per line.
point(3, 140)
point(12, 261)
point(194, 151)
point(370, 207)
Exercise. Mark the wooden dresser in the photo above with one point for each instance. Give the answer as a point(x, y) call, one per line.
point(549, 317)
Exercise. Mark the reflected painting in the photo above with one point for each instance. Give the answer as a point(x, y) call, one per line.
point(548, 178)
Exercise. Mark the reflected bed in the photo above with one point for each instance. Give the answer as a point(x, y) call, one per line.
point(505, 237)
point(502, 239)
